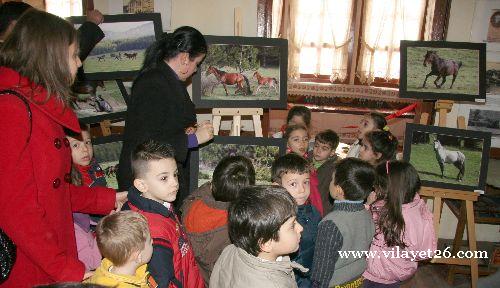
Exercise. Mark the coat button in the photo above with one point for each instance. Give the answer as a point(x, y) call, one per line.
point(56, 183)
point(67, 178)
point(66, 142)
point(57, 143)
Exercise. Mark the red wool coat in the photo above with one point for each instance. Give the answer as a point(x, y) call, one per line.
point(36, 200)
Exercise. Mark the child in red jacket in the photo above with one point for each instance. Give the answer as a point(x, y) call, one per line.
point(154, 189)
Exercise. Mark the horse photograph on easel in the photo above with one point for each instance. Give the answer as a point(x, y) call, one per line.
point(448, 158)
point(443, 70)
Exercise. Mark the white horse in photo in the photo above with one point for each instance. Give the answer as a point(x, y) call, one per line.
point(456, 158)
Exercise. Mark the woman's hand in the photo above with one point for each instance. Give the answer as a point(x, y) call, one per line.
point(121, 198)
point(372, 197)
point(204, 132)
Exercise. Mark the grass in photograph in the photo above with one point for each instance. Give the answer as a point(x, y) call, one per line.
point(423, 158)
point(116, 61)
point(467, 81)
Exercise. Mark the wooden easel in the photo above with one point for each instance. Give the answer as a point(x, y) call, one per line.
point(236, 113)
point(467, 198)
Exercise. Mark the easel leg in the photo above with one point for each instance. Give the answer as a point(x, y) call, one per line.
point(105, 127)
point(216, 123)
point(459, 233)
point(257, 126)
point(236, 128)
point(437, 214)
point(471, 236)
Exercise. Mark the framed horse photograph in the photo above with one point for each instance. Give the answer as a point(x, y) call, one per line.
point(100, 100)
point(443, 70)
point(120, 53)
point(261, 151)
point(107, 154)
point(241, 72)
point(447, 157)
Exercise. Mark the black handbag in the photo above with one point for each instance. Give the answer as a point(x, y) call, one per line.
point(7, 247)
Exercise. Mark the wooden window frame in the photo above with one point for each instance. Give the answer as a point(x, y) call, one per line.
point(439, 31)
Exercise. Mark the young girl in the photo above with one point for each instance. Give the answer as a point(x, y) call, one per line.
point(297, 115)
point(297, 140)
point(85, 172)
point(403, 223)
point(370, 122)
point(377, 147)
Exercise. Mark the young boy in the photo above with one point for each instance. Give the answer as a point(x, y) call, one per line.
point(348, 227)
point(292, 173)
point(126, 244)
point(323, 159)
point(204, 212)
point(154, 189)
point(263, 230)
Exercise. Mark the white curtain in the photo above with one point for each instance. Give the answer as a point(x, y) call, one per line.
point(318, 33)
point(64, 8)
point(385, 23)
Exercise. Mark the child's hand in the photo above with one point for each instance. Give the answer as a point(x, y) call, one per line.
point(87, 275)
point(371, 198)
point(121, 198)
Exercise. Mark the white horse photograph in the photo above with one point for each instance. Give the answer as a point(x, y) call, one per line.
point(444, 156)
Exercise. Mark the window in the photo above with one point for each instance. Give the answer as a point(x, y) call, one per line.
point(64, 8)
point(348, 41)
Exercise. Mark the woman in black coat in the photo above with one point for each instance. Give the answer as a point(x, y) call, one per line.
point(160, 107)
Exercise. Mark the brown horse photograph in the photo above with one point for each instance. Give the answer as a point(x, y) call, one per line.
point(242, 72)
point(442, 70)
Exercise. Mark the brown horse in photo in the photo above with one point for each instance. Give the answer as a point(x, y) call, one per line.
point(441, 68)
point(270, 82)
point(230, 79)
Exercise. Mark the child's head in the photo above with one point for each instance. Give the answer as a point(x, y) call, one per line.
point(299, 115)
point(370, 122)
point(124, 237)
point(155, 171)
point(230, 176)
point(400, 182)
point(378, 147)
point(292, 173)
point(81, 146)
point(262, 222)
point(297, 139)
point(325, 144)
point(353, 180)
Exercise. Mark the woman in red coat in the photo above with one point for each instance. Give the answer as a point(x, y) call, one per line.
point(39, 61)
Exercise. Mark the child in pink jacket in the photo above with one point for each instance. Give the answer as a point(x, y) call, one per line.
point(404, 227)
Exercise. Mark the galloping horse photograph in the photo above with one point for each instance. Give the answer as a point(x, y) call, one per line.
point(441, 68)
point(262, 81)
point(224, 78)
point(444, 156)
point(452, 71)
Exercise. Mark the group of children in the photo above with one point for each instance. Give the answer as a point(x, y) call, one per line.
point(305, 230)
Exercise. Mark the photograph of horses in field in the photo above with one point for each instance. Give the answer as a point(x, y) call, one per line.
point(241, 73)
point(484, 120)
point(121, 52)
point(440, 70)
point(107, 153)
point(261, 151)
point(446, 158)
point(100, 100)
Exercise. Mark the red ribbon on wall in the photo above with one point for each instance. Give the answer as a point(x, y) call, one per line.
point(396, 114)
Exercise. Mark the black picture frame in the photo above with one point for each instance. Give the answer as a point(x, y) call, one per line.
point(107, 152)
point(255, 50)
point(86, 105)
point(105, 63)
point(418, 138)
point(471, 77)
point(229, 144)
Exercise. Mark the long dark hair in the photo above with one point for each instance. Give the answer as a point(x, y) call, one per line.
point(400, 182)
point(183, 39)
point(383, 142)
point(38, 49)
point(378, 120)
